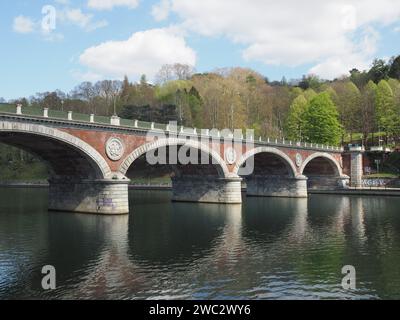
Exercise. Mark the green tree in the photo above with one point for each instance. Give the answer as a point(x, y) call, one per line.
point(294, 125)
point(379, 70)
point(385, 108)
point(395, 86)
point(348, 102)
point(296, 91)
point(126, 86)
point(394, 71)
point(368, 110)
point(359, 78)
point(309, 94)
point(332, 93)
point(321, 121)
point(310, 81)
point(196, 105)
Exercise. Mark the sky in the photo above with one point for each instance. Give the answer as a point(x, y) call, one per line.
point(56, 44)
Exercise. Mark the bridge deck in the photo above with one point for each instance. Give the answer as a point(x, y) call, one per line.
point(60, 119)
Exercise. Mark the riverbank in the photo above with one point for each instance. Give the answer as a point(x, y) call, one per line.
point(45, 184)
point(24, 184)
point(392, 192)
point(164, 187)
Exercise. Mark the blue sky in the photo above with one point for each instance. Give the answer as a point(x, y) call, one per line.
point(97, 39)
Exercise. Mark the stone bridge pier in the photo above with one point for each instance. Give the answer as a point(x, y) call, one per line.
point(207, 189)
point(277, 186)
point(89, 196)
point(356, 166)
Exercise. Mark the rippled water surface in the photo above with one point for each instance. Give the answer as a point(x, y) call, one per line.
point(264, 249)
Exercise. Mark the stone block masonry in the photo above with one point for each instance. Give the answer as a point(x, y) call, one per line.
point(207, 189)
point(356, 172)
point(277, 186)
point(327, 182)
point(97, 197)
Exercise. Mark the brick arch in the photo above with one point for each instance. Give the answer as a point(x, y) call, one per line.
point(335, 164)
point(96, 161)
point(221, 166)
point(280, 154)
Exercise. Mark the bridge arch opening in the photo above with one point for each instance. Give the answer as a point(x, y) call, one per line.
point(270, 172)
point(265, 162)
point(65, 157)
point(141, 170)
point(205, 178)
point(208, 161)
point(323, 172)
point(63, 160)
point(80, 179)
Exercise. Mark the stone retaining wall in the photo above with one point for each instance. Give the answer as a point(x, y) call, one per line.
point(380, 182)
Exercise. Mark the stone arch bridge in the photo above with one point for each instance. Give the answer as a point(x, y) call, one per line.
point(89, 162)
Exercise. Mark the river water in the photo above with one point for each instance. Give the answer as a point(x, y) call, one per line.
point(267, 248)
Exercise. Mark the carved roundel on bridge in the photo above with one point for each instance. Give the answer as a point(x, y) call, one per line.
point(230, 155)
point(115, 149)
point(299, 160)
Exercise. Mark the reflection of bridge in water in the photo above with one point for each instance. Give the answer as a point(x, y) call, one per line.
point(186, 251)
point(89, 162)
point(217, 242)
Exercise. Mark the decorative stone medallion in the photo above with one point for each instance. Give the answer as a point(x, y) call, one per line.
point(115, 149)
point(299, 160)
point(230, 155)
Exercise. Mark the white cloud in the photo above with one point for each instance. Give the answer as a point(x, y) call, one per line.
point(27, 25)
point(161, 10)
point(64, 2)
point(86, 76)
point(23, 25)
point(359, 57)
point(143, 53)
point(110, 4)
point(66, 15)
point(328, 34)
point(82, 20)
point(52, 36)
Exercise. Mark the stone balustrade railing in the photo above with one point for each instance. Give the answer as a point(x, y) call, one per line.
point(170, 128)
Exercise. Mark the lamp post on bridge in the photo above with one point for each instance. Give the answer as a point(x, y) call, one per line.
point(115, 120)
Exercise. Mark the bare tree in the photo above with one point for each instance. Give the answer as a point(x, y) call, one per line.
point(115, 92)
point(177, 71)
point(87, 92)
point(104, 90)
